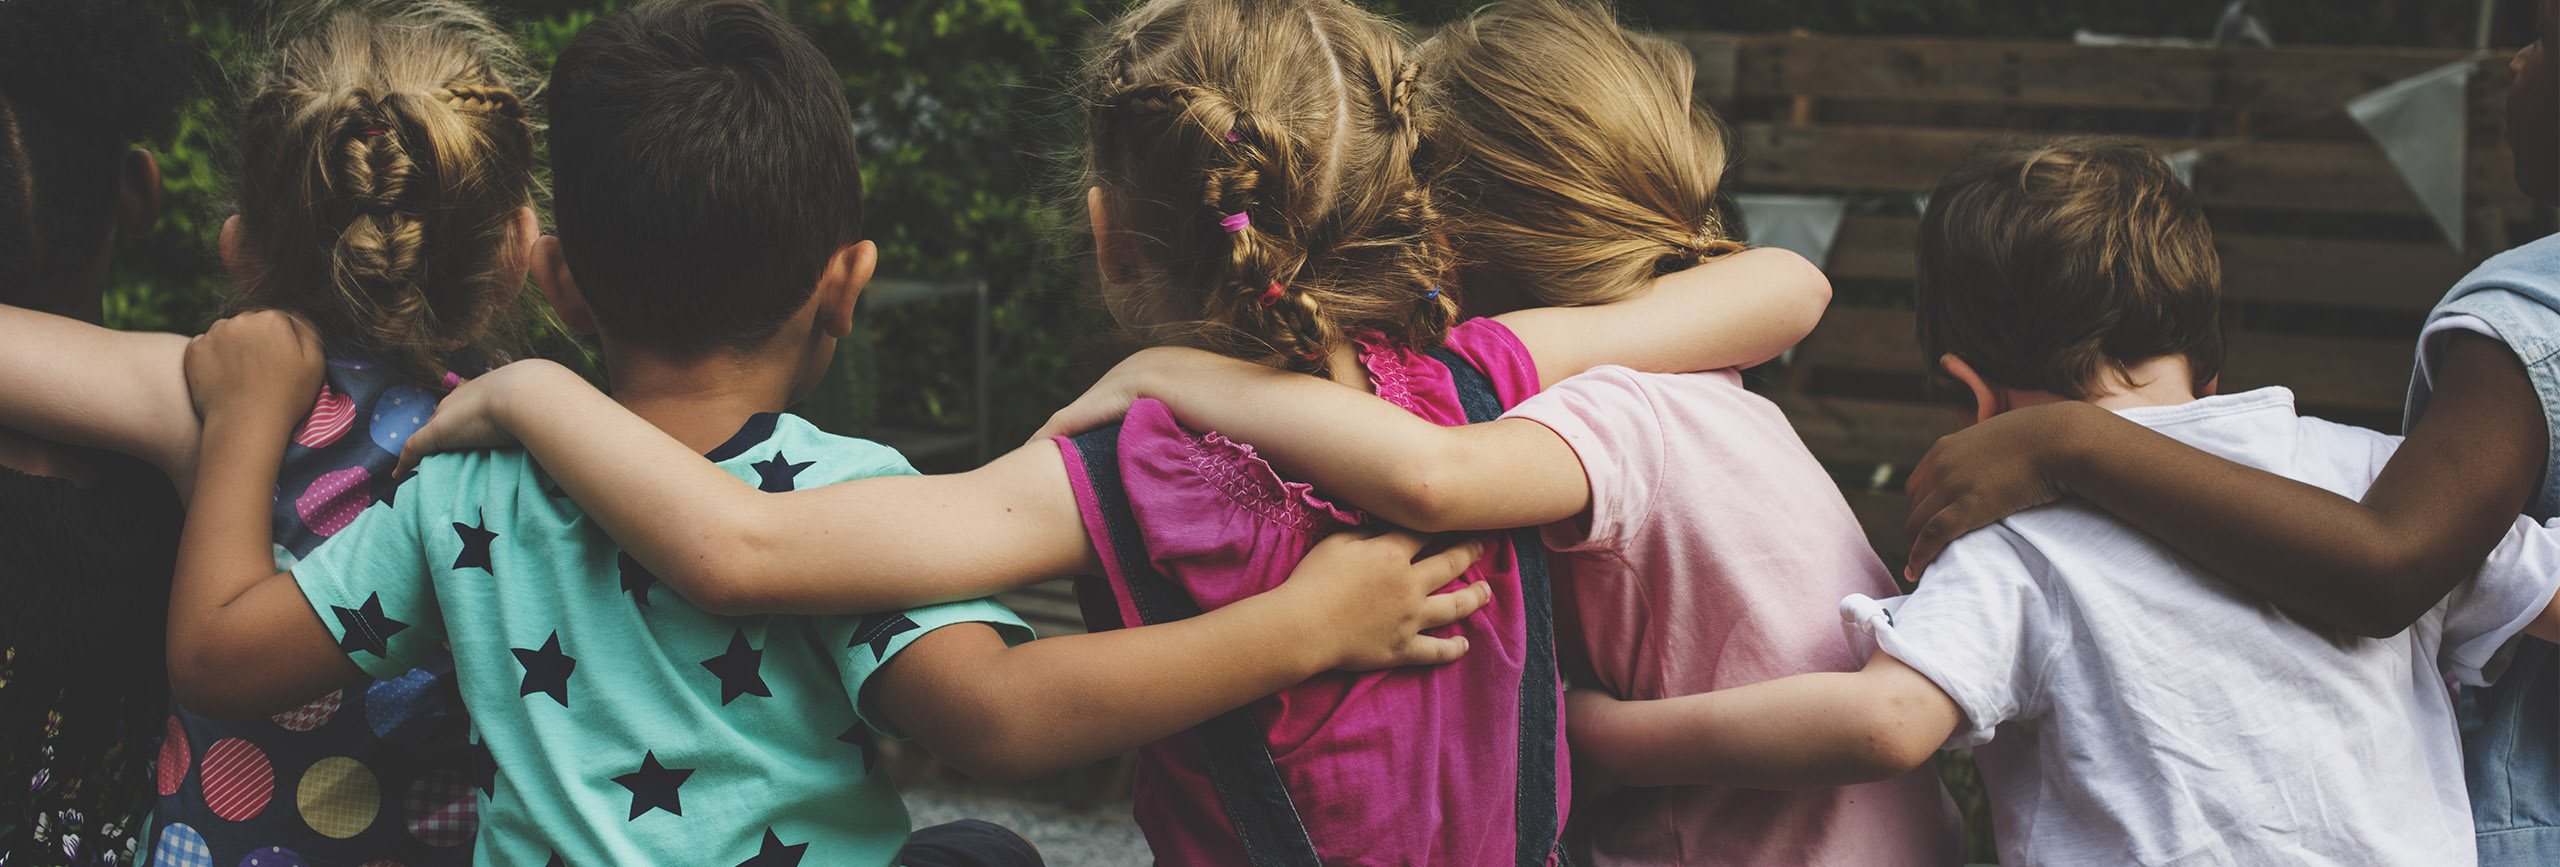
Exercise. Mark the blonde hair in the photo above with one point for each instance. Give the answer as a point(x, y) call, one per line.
point(384, 161)
point(1295, 114)
point(1569, 153)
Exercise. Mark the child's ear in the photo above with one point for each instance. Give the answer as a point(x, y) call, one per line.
point(1109, 249)
point(848, 271)
point(237, 259)
point(138, 193)
point(1987, 400)
point(551, 273)
point(518, 263)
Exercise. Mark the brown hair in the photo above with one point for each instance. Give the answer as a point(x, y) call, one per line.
point(384, 160)
point(1296, 114)
point(2049, 267)
point(1570, 154)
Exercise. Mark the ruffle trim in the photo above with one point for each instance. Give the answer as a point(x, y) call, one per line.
point(1250, 482)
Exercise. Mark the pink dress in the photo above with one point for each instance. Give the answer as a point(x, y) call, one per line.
point(1404, 767)
point(1714, 555)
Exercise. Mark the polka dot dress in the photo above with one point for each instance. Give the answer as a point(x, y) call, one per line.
point(374, 773)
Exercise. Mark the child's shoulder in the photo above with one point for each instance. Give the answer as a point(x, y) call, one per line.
point(784, 452)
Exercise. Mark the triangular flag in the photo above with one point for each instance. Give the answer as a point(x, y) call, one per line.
point(2419, 123)
point(1807, 225)
point(2184, 163)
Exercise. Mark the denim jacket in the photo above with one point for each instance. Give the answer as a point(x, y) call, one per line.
point(2511, 731)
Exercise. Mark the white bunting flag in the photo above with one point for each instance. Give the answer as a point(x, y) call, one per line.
point(2419, 123)
point(1807, 225)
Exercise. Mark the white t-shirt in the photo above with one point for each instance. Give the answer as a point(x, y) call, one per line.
point(2127, 706)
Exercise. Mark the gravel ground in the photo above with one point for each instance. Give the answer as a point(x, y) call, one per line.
point(1100, 836)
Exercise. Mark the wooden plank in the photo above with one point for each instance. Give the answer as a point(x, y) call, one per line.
point(1882, 514)
point(2322, 371)
point(2277, 80)
point(1718, 59)
point(2379, 275)
point(1852, 430)
point(2341, 176)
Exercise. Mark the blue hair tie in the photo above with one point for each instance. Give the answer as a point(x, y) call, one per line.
point(1433, 295)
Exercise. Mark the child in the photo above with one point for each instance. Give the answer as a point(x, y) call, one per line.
point(2481, 431)
point(384, 194)
point(614, 723)
point(1253, 192)
point(2125, 704)
point(89, 537)
point(1701, 545)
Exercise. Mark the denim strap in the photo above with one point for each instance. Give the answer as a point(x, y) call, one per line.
point(1240, 767)
point(1534, 805)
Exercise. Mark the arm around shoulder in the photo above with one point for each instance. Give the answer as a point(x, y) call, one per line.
point(1737, 311)
point(1806, 731)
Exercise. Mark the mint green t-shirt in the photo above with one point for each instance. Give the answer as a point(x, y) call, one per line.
point(616, 723)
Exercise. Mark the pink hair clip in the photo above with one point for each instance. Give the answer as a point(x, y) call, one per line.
point(1233, 138)
point(1236, 222)
point(376, 130)
point(1271, 296)
point(452, 380)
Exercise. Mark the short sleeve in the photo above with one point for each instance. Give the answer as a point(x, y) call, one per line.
point(864, 644)
point(1605, 415)
point(2485, 614)
point(372, 582)
point(1982, 627)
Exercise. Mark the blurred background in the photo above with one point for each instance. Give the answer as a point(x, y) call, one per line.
point(1843, 109)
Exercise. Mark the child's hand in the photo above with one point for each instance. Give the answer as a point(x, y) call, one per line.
point(1378, 600)
point(260, 366)
point(1140, 375)
point(472, 417)
point(1987, 472)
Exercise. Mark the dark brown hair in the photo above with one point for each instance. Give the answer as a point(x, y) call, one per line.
point(2049, 267)
point(384, 162)
point(80, 81)
point(1296, 114)
point(703, 171)
point(1568, 152)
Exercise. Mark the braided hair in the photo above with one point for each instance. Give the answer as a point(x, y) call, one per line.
point(80, 81)
point(384, 161)
point(1259, 155)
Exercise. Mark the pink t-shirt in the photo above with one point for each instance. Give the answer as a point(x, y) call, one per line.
point(1413, 766)
point(1715, 555)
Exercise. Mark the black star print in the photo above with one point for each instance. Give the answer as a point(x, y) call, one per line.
point(653, 786)
point(774, 854)
point(555, 861)
point(635, 578)
point(475, 545)
point(737, 669)
point(484, 770)
point(547, 670)
point(878, 634)
point(391, 491)
point(778, 473)
point(861, 737)
point(367, 628)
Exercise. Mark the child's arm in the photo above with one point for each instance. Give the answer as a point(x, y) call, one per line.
point(2439, 506)
point(877, 544)
point(1737, 311)
point(1356, 602)
point(1806, 731)
point(75, 383)
point(243, 642)
point(1509, 473)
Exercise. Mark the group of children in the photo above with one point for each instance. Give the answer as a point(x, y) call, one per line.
point(1459, 288)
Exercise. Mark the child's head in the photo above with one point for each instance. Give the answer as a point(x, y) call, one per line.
point(1569, 155)
point(2061, 267)
point(2533, 109)
point(386, 184)
point(80, 82)
point(703, 174)
point(1252, 177)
